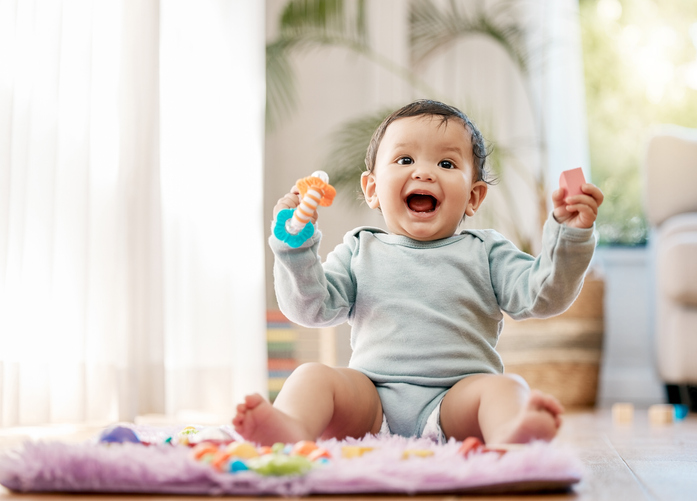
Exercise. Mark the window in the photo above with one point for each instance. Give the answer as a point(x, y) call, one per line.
point(640, 63)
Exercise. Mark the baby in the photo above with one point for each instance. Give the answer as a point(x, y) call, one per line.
point(424, 301)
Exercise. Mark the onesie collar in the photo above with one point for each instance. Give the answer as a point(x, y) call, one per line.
point(403, 241)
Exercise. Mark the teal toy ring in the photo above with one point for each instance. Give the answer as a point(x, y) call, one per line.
point(282, 233)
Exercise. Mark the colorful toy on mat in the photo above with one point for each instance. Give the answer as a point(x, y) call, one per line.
point(281, 459)
point(571, 180)
point(294, 226)
point(300, 458)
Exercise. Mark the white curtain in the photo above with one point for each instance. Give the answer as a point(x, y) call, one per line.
point(131, 232)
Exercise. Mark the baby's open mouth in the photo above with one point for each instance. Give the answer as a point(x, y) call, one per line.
point(419, 202)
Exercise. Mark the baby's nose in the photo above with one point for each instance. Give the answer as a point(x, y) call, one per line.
point(423, 174)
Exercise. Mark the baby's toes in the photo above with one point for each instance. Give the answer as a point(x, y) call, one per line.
point(554, 406)
point(545, 401)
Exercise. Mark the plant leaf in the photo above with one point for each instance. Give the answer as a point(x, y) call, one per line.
point(305, 24)
point(433, 29)
point(346, 159)
point(320, 19)
point(281, 93)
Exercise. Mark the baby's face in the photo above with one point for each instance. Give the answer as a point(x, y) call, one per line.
point(424, 180)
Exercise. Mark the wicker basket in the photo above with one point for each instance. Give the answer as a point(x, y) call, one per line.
point(560, 355)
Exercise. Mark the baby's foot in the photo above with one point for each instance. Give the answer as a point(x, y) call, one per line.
point(259, 422)
point(540, 419)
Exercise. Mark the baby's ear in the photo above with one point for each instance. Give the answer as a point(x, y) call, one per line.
point(477, 196)
point(368, 187)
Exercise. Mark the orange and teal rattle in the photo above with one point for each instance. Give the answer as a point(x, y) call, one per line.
point(294, 226)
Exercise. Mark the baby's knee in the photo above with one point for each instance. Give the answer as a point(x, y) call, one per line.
point(312, 370)
point(513, 381)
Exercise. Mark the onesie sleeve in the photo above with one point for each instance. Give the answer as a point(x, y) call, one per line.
point(308, 294)
point(547, 285)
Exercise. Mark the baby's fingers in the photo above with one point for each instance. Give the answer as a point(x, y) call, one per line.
point(558, 197)
point(575, 202)
point(593, 191)
point(289, 201)
point(585, 215)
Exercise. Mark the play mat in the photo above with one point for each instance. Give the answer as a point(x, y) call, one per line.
point(215, 461)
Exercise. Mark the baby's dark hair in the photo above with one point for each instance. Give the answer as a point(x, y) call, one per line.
point(445, 112)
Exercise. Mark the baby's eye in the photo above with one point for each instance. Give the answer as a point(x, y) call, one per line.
point(446, 164)
point(405, 161)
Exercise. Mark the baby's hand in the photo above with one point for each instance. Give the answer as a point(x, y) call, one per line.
point(290, 201)
point(577, 211)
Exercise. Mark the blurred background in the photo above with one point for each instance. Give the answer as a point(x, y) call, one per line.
point(143, 145)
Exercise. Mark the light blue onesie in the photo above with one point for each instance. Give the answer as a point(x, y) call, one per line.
point(424, 315)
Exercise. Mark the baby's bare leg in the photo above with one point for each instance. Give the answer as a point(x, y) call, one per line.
point(315, 402)
point(499, 409)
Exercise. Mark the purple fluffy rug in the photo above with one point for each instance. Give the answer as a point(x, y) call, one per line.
point(165, 468)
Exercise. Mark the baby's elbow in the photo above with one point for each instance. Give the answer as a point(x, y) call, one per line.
point(542, 307)
point(311, 315)
point(552, 305)
point(325, 316)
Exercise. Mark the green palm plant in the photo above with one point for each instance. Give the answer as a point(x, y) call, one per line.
point(312, 24)
point(432, 28)
point(303, 25)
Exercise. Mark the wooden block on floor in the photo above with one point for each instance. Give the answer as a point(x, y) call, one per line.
point(661, 414)
point(622, 413)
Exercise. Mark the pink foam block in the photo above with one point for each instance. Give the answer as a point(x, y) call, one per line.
point(571, 180)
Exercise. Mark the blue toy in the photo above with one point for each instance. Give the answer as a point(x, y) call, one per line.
point(118, 435)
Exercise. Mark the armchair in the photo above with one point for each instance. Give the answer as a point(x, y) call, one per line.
point(671, 207)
